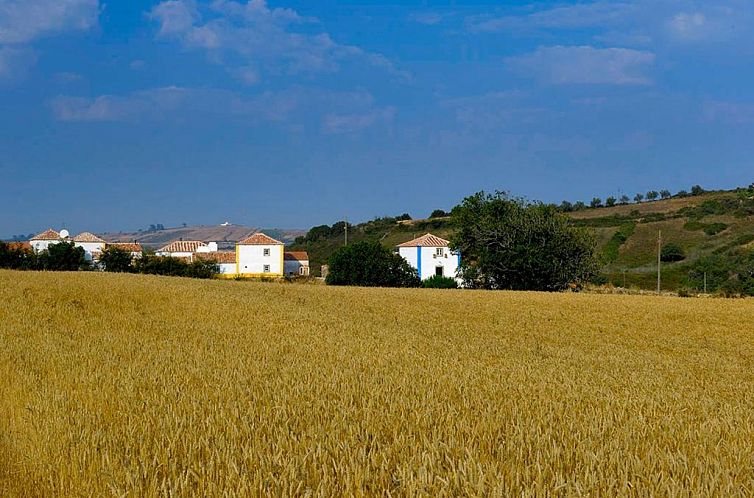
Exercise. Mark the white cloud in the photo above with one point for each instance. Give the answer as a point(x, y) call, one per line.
point(332, 112)
point(585, 65)
point(263, 37)
point(22, 21)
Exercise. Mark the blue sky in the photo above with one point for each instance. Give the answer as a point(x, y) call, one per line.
point(115, 115)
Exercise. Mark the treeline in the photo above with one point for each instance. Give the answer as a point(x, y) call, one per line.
point(610, 201)
point(66, 256)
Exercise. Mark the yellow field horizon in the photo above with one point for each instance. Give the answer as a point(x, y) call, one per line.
point(134, 385)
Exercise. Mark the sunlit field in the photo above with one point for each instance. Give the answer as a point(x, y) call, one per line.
point(130, 385)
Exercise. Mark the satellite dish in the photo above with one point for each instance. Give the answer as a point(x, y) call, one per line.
point(64, 234)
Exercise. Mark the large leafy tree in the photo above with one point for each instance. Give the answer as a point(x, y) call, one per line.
point(509, 243)
point(63, 256)
point(115, 259)
point(370, 264)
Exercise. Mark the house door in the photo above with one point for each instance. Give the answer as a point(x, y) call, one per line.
point(438, 271)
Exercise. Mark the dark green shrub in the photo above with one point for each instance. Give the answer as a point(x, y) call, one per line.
point(672, 252)
point(114, 259)
point(440, 282)
point(370, 264)
point(715, 228)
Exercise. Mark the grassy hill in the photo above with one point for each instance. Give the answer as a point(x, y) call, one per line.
point(136, 385)
point(703, 225)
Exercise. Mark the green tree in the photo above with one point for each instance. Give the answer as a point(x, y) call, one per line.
point(610, 201)
point(15, 258)
point(370, 264)
point(438, 213)
point(638, 198)
point(114, 259)
point(512, 244)
point(63, 256)
point(596, 202)
point(565, 207)
point(672, 252)
point(697, 190)
point(579, 206)
point(665, 194)
point(624, 199)
point(652, 195)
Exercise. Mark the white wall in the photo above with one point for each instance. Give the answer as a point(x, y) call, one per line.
point(175, 254)
point(251, 259)
point(293, 266)
point(90, 247)
point(227, 268)
point(41, 245)
point(430, 260)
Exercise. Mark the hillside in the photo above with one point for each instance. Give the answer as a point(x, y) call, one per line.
point(225, 236)
point(135, 385)
point(703, 225)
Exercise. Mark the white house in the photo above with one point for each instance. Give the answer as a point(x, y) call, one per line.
point(42, 241)
point(185, 248)
point(225, 260)
point(431, 256)
point(92, 245)
point(132, 247)
point(260, 255)
point(296, 263)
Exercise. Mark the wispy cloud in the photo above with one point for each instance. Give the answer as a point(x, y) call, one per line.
point(332, 112)
point(277, 39)
point(24, 21)
point(585, 65)
point(428, 18)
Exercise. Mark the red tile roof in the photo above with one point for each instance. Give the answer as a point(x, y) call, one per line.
point(217, 257)
point(260, 239)
point(19, 245)
point(296, 256)
point(182, 246)
point(426, 240)
point(48, 234)
point(126, 246)
point(87, 237)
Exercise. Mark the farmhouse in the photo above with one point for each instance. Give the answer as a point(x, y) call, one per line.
point(186, 248)
point(92, 245)
point(42, 241)
point(260, 255)
point(431, 256)
point(225, 260)
point(296, 263)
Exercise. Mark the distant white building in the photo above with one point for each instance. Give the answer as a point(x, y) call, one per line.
point(186, 248)
point(92, 245)
point(42, 241)
point(260, 255)
point(296, 263)
point(431, 256)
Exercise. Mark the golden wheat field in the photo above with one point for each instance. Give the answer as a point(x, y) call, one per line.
point(130, 385)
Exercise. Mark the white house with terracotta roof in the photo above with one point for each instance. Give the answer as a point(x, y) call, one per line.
point(133, 247)
point(92, 245)
point(296, 263)
point(260, 255)
point(431, 256)
point(42, 241)
point(225, 261)
point(186, 248)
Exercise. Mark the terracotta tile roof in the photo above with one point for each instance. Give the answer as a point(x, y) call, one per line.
point(48, 234)
point(87, 237)
point(217, 257)
point(126, 246)
point(182, 246)
point(426, 240)
point(296, 256)
point(260, 239)
point(19, 245)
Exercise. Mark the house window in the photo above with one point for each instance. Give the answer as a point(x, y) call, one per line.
point(439, 271)
point(266, 252)
point(439, 251)
point(266, 268)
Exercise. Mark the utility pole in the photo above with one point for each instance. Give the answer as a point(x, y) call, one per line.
point(659, 259)
point(705, 282)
